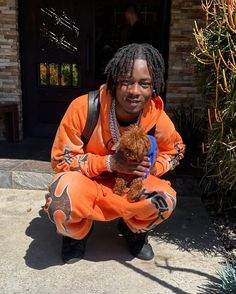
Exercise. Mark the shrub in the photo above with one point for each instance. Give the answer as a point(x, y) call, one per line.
point(215, 55)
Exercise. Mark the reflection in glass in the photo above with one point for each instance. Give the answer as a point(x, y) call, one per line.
point(43, 74)
point(61, 19)
point(59, 75)
point(55, 28)
point(65, 74)
point(75, 75)
point(54, 80)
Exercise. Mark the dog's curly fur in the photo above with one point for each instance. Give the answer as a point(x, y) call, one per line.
point(134, 144)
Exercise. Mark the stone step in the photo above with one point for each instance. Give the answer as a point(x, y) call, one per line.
point(26, 166)
point(25, 174)
point(36, 175)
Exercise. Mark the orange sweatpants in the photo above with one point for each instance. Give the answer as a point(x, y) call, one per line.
point(74, 201)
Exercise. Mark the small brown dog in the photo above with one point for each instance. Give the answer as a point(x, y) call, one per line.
point(134, 145)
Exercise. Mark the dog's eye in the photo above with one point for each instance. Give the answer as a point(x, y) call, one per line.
point(128, 153)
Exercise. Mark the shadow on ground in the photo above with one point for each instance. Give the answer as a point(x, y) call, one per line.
point(213, 287)
point(106, 244)
point(44, 250)
point(29, 148)
point(189, 228)
point(170, 269)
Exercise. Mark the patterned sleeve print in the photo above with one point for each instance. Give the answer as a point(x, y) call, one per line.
point(68, 155)
point(174, 159)
point(69, 160)
point(67, 151)
point(171, 147)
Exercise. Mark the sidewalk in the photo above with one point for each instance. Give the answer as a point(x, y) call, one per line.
point(186, 253)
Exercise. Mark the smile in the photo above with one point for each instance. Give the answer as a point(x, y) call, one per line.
point(135, 101)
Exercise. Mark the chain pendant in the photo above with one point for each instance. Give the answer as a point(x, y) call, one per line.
point(113, 124)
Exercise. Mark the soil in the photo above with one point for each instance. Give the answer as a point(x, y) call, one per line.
point(225, 226)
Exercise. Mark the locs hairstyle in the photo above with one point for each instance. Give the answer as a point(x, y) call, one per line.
point(121, 65)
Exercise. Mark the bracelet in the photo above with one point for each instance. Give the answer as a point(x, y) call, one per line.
point(108, 163)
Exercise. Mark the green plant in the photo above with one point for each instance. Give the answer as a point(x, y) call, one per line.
point(228, 277)
point(215, 55)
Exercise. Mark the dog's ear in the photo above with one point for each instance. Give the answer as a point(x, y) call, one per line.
point(143, 146)
point(146, 145)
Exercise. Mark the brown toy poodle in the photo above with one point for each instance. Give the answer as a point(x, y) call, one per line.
point(134, 144)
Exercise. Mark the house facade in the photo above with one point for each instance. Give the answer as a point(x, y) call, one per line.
point(50, 54)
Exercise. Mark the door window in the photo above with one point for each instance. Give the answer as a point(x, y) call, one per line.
point(58, 75)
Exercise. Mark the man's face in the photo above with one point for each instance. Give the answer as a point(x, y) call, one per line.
point(129, 16)
point(134, 91)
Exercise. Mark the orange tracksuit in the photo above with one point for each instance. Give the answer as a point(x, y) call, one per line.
point(81, 191)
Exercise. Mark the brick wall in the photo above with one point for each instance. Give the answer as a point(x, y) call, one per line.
point(181, 84)
point(10, 88)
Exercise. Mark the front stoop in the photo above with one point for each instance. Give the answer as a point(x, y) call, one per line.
point(36, 175)
point(25, 174)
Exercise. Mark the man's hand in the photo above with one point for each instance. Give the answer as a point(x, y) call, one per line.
point(121, 165)
point(153, 170)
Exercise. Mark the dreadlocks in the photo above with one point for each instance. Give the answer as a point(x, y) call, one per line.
point(121, 65)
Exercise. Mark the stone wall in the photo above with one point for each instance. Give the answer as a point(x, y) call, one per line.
point(10, 87)
point(181, 84)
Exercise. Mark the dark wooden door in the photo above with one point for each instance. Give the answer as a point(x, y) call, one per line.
point(56, 57)
point(112, 29)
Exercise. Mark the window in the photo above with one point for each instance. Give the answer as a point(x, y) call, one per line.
point(59, 75)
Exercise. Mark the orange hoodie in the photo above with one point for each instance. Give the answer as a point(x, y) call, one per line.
point(68, 152)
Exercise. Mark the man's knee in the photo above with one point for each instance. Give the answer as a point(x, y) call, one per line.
point(161, 199)
point(58, 202)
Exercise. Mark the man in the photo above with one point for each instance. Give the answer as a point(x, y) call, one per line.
point(137, 31)
point(81, 191)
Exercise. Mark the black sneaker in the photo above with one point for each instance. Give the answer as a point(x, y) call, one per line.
point(137, 242)
point(73, 250)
